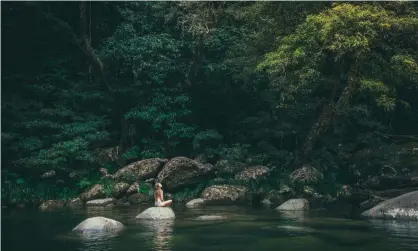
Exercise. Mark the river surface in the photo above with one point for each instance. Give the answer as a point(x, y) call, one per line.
point(244, 229)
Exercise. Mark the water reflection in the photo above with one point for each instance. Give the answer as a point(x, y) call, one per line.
point(397, 230)
point(161, 232)
point(293, 215)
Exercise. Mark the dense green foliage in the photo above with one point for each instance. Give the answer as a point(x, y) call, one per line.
point(279, 84)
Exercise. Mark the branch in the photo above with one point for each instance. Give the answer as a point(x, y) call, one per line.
point(411, 137)
point(84, 47)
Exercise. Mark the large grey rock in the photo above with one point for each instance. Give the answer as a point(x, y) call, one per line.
point(252, 173)
point(180, 172)
point(98, 224)
point(294, 205)
point(120, 189)
point(96, 192)
point(100, 202)
point(133, 188)
point(401, 207)
point(140, 170)
point(195, 203)
point(306, 174)
point(225, 194)
point(157, 213)
point(228, 167)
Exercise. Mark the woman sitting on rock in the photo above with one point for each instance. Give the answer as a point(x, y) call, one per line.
point(158, 196)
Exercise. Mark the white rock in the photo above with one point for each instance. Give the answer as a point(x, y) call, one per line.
point(157, 213)
point(98, 224)
point(294, 205)
point(100, 202)
point(403, 207)
point(211, 217)
point(195, 203)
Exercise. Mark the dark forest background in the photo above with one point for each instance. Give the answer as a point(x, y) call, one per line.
point(280, 84)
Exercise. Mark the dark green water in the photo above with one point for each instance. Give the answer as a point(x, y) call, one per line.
point(246, 229)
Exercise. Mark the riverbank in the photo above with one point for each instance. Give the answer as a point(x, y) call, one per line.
point(196, 184)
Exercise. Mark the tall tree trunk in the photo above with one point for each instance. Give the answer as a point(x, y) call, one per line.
point(97, 65)
point(196, 63)
point(325, 119)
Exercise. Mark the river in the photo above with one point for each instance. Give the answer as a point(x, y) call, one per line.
point(245, 229)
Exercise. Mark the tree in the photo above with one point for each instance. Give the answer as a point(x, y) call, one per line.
point(342, 57)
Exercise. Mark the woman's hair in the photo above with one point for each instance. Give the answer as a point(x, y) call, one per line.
point(158, 185)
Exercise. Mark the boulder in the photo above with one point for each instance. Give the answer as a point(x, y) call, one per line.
point(157, 213)
point(139, 198)
point(98, 224)
point(96, 192)
point(140, 170)
point(306, 174)
point(225, 194)
point(228, 167)
point(100, 202)
point(120, 189)
point(195, 203)
point(133, 188)
point(52, 205)
point(294, 205)
point(252, 173)
point(76, 202)
point(401, 207)
point(180, 172)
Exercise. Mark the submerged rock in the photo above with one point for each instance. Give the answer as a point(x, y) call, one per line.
point(211, 217)
point(140, 170)
point(52, 205)
point(294, 205)
point(401, 207)
point(98, 224)
point(195, 203)
point(100, 202)
point(181, 171)
point(157, 213)
point(225, 194)
point(252, 173)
